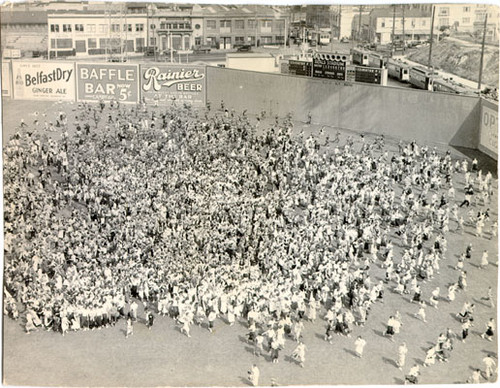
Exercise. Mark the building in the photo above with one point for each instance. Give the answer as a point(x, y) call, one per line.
point(137, 27)
point(467, 18)
point(94, 32)
point(480, 12)
point(228, 26)
point(361, 31)
point(412, 24)
point(24, 29)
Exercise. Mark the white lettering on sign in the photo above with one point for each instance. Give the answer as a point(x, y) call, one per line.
point(155, 79)
point(107, 74)
point(489, 128)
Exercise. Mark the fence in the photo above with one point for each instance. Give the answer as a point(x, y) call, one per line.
point(428, 117)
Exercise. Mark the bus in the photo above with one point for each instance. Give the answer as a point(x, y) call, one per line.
point(449, 86)
point(377, 60)
point(422, 78)
point(360, 56)
point(397, 69)
point(324, 38)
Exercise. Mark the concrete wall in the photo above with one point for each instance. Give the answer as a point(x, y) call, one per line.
point(406, 113)
point(488, 139)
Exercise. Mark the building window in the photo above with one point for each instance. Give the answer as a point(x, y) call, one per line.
point(444, 22)
point(52, 43)
point(267, 39)
point(444, 11)
point(104, 43)
point(251, 40)
point(211, 25)
point(115, 28)
point(79, 27)
point(239, 24)
point(466, 9)
point(66, 27)
point(103, 28)
point(90, 27)
point(54, 28)
point(197, 41)
point(382, 24)
point(280, 39)
point(64, 43)
point(239, 40)
point(92, 43)
point(225, 23)
point(267, 23)
point(152, 41)
point(280, 24)
point(211, 41)
point(252, 23)
point(139, 27)
point(127, 27)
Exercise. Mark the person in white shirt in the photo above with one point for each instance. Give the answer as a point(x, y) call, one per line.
point(254, 375)
point(402, 352)
point(359, 345)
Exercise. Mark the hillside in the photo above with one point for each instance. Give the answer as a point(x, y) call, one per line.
point(461, 58)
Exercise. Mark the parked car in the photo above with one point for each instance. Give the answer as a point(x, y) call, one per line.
point(202, 49)
point(149, 51)
point(246, 48)
point(344, 40)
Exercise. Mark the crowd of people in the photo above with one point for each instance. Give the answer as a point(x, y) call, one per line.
point(206, 217)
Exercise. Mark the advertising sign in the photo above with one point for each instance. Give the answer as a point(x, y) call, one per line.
point(488, 140)
point(44, 81)
point(166, 83)
point(368, 75)
point(331, 69)
point(299, 68)
point(6, 80)
point(108, 82)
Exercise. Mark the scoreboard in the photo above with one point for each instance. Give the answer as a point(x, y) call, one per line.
point(336, 66)
point(300, 68)
point(369, 75)
point(329, 69)
point(330, 65)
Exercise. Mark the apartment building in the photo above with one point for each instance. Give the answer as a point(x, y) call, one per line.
point(414, 24)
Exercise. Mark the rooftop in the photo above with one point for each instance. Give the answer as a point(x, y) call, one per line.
point(389, 12)
point(23, 17)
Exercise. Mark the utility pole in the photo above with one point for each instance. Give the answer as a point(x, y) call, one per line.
point(340, 20)
point(482, 52)
point(359, 24)
point(429, 63)
point(393, 27)
point(404, 36)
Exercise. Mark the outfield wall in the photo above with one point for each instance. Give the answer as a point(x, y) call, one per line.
point(410, 114)
point(406, 113)
point(488, 138)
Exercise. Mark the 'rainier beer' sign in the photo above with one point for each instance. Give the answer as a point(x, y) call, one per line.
point(169, 83)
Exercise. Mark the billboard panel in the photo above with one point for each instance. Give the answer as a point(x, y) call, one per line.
point(300, 68)
point(182, 83)
point(107, 82)
point(6, 80)
point(50, 81)
point(332, 69)
point(488, 139)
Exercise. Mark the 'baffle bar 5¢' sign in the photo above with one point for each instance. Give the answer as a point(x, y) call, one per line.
point(108, 82)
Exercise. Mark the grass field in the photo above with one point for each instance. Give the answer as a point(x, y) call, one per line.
point(163, 356)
